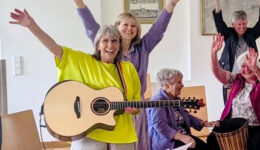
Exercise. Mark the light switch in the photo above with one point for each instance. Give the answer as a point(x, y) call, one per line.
point(17, 59)
point(17, 65)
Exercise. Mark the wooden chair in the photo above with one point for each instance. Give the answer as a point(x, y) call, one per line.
point(198, 92)
point(19, 132)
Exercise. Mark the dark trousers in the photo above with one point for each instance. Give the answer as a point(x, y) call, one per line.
point(200, 145)
point(253, 142)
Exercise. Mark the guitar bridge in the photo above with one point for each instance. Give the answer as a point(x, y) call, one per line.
point(77, 107)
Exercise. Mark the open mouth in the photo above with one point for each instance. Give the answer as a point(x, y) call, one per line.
point(110, 51)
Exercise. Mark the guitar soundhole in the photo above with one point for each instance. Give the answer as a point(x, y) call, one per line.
point(100, 106)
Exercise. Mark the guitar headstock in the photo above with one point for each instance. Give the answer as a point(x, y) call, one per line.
point(192, 103)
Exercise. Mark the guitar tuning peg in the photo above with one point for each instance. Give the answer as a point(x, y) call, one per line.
point(193, 98)
point(188, 97)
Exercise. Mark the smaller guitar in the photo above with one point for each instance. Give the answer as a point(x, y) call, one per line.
point(72, 109)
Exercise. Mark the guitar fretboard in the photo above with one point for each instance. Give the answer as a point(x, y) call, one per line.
point(145, 104)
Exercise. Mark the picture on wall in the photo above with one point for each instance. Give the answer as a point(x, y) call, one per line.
point(145, 10)
point(228, 7)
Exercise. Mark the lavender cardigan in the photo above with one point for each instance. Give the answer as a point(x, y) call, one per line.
point(238, 85)
point(162, 125)
point(139, 53)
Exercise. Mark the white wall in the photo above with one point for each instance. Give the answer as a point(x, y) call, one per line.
point(182, 48)
point(60, 20)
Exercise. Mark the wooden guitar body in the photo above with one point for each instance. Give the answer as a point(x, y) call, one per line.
point(60, 115)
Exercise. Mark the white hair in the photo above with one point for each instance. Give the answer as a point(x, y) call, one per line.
point(166, 74)
point(242, 58)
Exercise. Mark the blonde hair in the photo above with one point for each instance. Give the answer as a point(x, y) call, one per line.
point(137, 38)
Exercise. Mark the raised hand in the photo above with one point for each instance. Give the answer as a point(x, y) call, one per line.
point(251, 59)
point(170, 5)
point(217, 43)
point(217, 10)
point(174, 2)
point(21, 17)
point(79, 3)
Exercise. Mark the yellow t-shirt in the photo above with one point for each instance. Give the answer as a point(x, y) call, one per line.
point(79, 66)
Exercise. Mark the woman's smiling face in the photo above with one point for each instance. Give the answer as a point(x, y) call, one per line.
point(108, 47)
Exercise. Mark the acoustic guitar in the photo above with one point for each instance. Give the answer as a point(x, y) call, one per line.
point(72, 109)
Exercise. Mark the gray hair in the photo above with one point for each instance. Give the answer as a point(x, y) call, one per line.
point(166, 74)
point(239, 15)
point(111, 31)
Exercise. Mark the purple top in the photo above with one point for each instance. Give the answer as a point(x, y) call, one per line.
point(162, 124)
point(238, 85)
point(139, 53)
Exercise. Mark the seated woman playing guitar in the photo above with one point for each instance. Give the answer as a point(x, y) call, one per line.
point(170, 127)
point(97, 71)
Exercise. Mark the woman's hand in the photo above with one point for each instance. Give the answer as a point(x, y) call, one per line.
point(80, 3)
point(217, 43)
point(132, 111)
point(174, 2)
point(251, 59)
point(185, 139)
point(170, 5)
point(210, 124)
point(21, 17)
point(217, 10)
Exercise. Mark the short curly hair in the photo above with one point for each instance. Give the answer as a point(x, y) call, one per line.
point(166, 74)
point(239, 15)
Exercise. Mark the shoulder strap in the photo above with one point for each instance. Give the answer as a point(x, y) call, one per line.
point(122, 79)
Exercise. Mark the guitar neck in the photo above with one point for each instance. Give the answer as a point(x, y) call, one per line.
point(144, 104)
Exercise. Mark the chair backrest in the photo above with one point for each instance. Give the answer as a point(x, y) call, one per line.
point(19, 132)
point(198, 92)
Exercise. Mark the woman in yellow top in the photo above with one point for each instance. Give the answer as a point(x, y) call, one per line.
point(98, 71)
